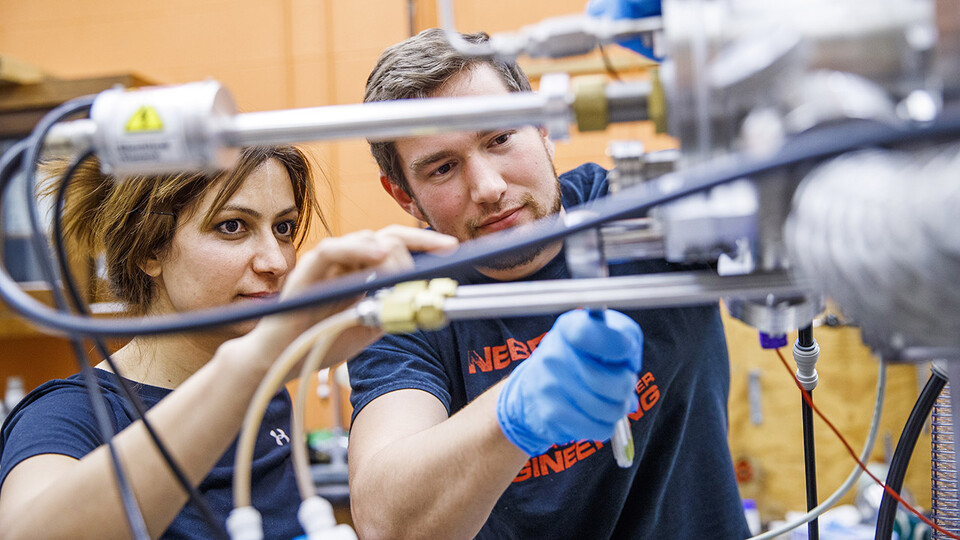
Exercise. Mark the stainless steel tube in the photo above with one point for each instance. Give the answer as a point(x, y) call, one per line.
point(550, 107)
point(391, 119)
point(630, 292)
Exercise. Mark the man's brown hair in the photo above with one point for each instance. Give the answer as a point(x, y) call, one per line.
point(417, 67)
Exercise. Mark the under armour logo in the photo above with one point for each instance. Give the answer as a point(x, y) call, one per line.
point(279, 435)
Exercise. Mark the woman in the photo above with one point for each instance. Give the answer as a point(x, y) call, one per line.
point(174, 244)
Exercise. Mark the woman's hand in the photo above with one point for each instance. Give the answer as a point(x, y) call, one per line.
point(383, 251)
point(386, 250)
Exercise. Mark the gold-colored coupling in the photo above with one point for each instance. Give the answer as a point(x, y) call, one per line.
point(415, 305)
point(590, 103)
point(657, 102)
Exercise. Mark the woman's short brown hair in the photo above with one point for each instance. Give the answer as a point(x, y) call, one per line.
point(134, 219)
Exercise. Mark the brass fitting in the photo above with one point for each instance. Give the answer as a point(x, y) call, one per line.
point(397, 314)
point(657, 102)
point(415, 305)
point(590, 103)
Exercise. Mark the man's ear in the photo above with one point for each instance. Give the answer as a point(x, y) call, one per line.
point(547, 141)
point(402, 197)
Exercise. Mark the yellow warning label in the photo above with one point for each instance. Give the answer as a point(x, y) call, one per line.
point(145, 119)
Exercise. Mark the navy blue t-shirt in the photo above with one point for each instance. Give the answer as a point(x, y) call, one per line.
point(56, 418)
point(681, 484)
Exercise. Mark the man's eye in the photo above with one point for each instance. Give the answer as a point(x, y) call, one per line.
point(443, 169)
point(502, 138)
point(230, 226)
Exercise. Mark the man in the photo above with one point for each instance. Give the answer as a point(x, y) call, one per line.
point(467, 431)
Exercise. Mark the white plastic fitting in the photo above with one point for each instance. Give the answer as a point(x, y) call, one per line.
point(316, 518)
point(340, 532)
point(245, 523)
point(806, 359)
point(316, 515)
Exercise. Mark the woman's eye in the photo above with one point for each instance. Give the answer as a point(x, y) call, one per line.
point(230, 226)
point(284, 228)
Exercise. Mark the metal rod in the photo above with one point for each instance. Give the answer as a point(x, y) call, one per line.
point(592, 285)
point(627, 101)
point(385, 120)
point(391, 119)
point(628, 292)
point(70, 138)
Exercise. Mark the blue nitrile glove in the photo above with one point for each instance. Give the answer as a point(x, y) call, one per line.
point(577, 383)
point(627, 9)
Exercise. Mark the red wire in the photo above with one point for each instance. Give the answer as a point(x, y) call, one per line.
point(888, 489)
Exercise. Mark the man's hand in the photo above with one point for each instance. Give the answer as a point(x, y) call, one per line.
point(576, 385)
point(627, 9)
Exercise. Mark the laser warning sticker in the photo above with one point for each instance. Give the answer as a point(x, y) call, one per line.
point(145, 120)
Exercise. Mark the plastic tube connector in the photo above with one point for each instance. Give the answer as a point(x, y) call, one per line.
point(806, 359)
point(316, 518)
point(316, 515)
point(340, 532)
point(245, 523)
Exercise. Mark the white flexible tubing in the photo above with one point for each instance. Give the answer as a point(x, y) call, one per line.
point(329, 327)
point(456, 41)
point(301, 463)
point(854, 475)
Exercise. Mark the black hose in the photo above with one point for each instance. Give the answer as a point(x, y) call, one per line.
point(810, 467)
point(805, 340)
point(13, 160)
point(805, 336)
point(901, 456)
point(133, 399)
point(825, 143)
point(29, 150)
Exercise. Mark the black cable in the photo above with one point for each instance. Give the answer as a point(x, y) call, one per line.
point(805, 336)
point(819, 144)
point(607, 64)
point(901, 456)
point(805, 340)
point(810, 467)
point(9, 163)
point(30, 151)
point(132, 397)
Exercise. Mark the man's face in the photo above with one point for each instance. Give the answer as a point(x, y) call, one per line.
point(469, 184)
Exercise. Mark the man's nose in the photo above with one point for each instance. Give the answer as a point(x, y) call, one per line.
point(486, 183)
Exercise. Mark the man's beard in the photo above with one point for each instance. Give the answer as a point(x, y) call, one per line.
point(525, 256)
point(516, 258)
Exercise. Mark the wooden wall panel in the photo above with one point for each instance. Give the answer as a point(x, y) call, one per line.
point(848, 376)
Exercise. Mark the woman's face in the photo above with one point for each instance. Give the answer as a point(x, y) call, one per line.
point(243, 255)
